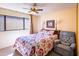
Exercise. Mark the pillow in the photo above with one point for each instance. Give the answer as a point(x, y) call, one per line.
point(51, 31)
point(47, 30)
point(55, 37)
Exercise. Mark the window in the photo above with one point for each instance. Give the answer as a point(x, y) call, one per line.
point(14, 23)
point(27, 24)
point(1, 23)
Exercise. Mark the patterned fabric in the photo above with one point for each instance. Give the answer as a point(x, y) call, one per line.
point(67, 37)
point(35, 44)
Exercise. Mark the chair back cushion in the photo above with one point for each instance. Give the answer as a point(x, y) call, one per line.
point(67, 37)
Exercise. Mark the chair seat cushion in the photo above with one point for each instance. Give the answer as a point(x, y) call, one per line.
point(65, 43)
point(65, 47)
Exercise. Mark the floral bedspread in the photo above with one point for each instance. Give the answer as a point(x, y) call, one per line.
point(35, 44)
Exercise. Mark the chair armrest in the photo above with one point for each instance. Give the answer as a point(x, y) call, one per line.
point(72, 46)
point(57, 41)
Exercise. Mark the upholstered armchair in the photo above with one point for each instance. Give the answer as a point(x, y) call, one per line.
point(65, 45)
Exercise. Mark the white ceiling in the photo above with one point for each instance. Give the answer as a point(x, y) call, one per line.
point(45, 6)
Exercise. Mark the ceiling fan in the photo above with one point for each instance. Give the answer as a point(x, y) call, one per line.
point(34, 9)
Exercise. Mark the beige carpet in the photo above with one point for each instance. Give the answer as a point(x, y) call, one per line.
point(6, 51)
point(9, 51)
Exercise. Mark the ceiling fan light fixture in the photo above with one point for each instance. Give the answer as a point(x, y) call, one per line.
point(32, 13)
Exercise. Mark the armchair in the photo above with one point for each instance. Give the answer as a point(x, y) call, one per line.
point(65, 45)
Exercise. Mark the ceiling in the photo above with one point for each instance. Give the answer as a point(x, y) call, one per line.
point(45, 6)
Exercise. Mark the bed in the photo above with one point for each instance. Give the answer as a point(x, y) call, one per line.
point(38, 44)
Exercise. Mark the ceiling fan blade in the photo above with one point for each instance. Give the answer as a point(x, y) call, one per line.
point(33, 12)
point(39, 9)
point(37, 12)
point(33, 9)
point(26, 8)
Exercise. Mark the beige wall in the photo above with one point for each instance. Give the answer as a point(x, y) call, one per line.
point(8, 38)
point(78, 29)
point(35, 23)
point(67, 16)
